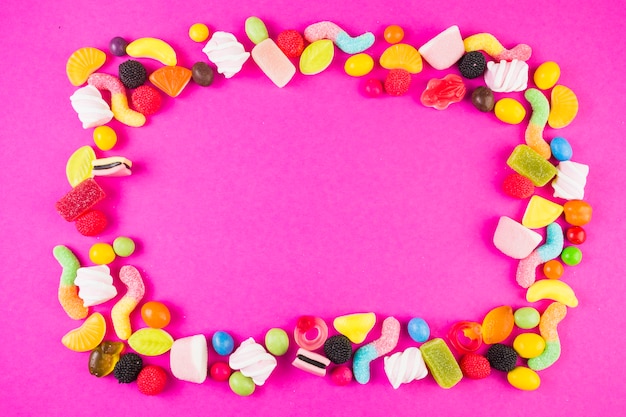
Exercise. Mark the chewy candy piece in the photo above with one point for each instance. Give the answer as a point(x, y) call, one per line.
point(506, 77)
point(475, 366)
point(291, 43)
point(488, 43)
point(80, 199)
point(91, 223)
point(119, 101)
point(82, 63)
point(189, 359)
point(418, 330)
point(445, 49)
point(273, 62)
point(397, 82)
point(509, 110)
point(502, 357)
point(359, 65)
point(440, 93)
point(88, 336)
point(79, 165)
point(120, 314)
point(171, 80)
point(311, 362)
point(277, 341)
point(356, 326)
point(552, 289)
point(441, 363)
point(91, 108)
point(498, 325)
point(102, 359)
point(540, 212)
point(338, 349)
point(518, 186)
point(529, 345)
point(316, 57)
point(380, 347)
point(306, 324)
point(253, 361)
point(570, 181)
point(152, 48)
point(146, 100)
point(524, 379)
point(527, 162)
point(564, 107)
point(114, 166)
point(402, 56)
point(329, 30)
point(534, 130)
point(472, 65)
point(471, 339)
point(577, 212)
point(546, 75)
point(151, 380)
point(68, 291)
point(404, 367)
point(525, 274)
point(256, 30)
point(514, 239)
point(226, 52)
point(95, 285)
point(561, 149)
point(151, 342)
point(550, 319)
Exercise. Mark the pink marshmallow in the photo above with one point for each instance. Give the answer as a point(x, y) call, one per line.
point(273, 62)
point(445, 49)
point(514, 239)
point(189, 357)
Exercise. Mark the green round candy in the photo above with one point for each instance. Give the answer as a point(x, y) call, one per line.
point(240, 384)
point(277, 341)
point(526, 317)
point(123, 246)
point(571, 255)
point(256, 30)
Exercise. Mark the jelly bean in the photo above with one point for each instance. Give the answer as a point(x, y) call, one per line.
point(577, 212)
point(341, 375)
point(373, 88)
point(509, 110)
point(571, 256)
point(359, 65)
point(151, 342)
point(526, 269)
point(441, 363)
point(103, 358)
point(104, 137)
point(277, 341)
point(561, 149)
point(525, 161)
point(155, 314)
point(329, 30)
point(240, 384)
point(541, 212)
point(563, 107)
point(488, 43)
point(576, 235)
point(87, 336)
point(524, 379)
point(101, 254)
point(220, 371)
point(418, 330)
point(123, 246)
point(120, 314)
point(547, 75)
point(550, 319)
point(393, 34)
point(440, 93)
point(198, 32)
point(373, 350)
point(117, 46)
point(256, 30)
point(316, 57)
point(534, 130)
point(526, 317)
point(471, 338)
point(553, 269)
point(497, 325)
point(355, 326)
point(223, 343)
point(529, 345)
point(68, 292)
point(483, 100)
point(551, 289)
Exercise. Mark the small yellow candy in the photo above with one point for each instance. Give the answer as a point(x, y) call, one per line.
point(355, 326)
point(199, 32)
point(317, 57)
point(524, 378)
point(79, 165)
point(104, 137)
point(547, 75)
point(101, 254)
point(359, 65)
point(510, 111)
point(529, 345)
point(540, 212)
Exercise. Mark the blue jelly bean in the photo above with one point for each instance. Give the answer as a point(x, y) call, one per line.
point(561, 149)
point(223, 343)
point(418, 330)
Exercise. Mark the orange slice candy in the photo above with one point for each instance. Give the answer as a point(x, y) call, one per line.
point(82, 63)
point(563, 107)
point(88, 336)
point(171, 80)
point(498, 325)
point(402, 56)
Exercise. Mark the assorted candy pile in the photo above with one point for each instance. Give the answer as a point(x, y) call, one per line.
point(343, 351)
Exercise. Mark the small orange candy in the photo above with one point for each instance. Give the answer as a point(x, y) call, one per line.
point(155, 314)
point(394, 34)
point(498, 325)
point(553, 269)
point(577, 212)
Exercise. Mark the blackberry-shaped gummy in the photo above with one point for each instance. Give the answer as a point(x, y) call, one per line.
point(502, 357)
point(338, 349)
point(127, 368)
point(472, 64)
point(132, 74)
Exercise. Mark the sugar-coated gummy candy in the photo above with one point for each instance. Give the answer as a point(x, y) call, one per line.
point(104, 137)
point(524, 379)
point(553, 269)
point(472, 65)
point(132, 73)
point(550, 319)
point(526, 161)
point(483, 99)
point(561, 149)
point(364, 355)
point(540, 212)
point(198, 32)
point(103, 358)
point(547, 75)
point(393, 34)
point(529, 345)
point(441, 363)
point(151, 380)
point(80, 199)
point(577, 212)
point(359, 65)
point(88, 336)
point(518, 186)
point(341, 375)
point(291, 42)
point(220, 371)
point(146, 100)
point(202, 74)
point(502, 357)
point(277, 341)
point(155, 314)
point(526, 318)
point(571, 256)
point(120, 313)
point(117, 46)
point(91, 223)
point(373, 88)
point(101, 253)
point(123, 246)
point(498, 324)
point(576, 235)
point(240, 384)
point(355, 326)
point(150, 342)
point(397, 82)
point(418, 330)
point(509, 110)
point(475, 366)
point(68, 292)
point(223, 343)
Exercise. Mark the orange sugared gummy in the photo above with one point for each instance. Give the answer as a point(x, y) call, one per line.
point(553, 269)
point(498, 325)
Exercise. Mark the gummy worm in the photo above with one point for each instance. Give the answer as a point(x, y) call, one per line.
point(68, 292)
point(488, 43)
point(379, 347)
point(525, 274)
point(538, 120)
point(119, 101)
point(547, 327)
point(120, 314)
point(329, 30)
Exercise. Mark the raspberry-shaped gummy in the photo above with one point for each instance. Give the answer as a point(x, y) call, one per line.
point(475, 366)
point(397, 82)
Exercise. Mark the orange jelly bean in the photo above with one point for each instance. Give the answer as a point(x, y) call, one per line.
point(577, 212)
point(498, 325)
point(394, 34)
point(553, 269)
point(155, 314)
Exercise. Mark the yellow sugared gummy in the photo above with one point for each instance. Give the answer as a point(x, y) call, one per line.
point(359, 65)
point(529, 345)
point(199, 32)
point(509, 110)
point(524, 378)
point(101, 253)
point(546, 75)
point(527, 162)
point(540, 212)
point(441, 363)
point(104, 137)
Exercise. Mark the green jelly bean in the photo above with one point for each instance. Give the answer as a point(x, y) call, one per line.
point(527, 162)
point(571, 256)
point(123, 246)
point(526, 318)
point(256, 30)
point(277, 341)
point(240, 384)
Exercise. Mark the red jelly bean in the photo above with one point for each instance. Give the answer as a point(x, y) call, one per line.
point(466, 336)
point(220, 371)
point(576, 235)
point(518, 186)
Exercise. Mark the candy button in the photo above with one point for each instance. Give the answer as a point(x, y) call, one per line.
point(553, 269)
point(571, 256)
point(277, 341)
point(561, 149)
point(541, 212)
point(577, 212)
point(418, 330)
point(547, 75)
point(524, 379)
point(526, 317)
point(101, 254)
point(509, 110)
point(359, 65)
point(529, 345)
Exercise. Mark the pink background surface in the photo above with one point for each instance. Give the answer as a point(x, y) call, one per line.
point(253, 205)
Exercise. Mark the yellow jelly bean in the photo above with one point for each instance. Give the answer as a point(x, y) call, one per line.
point(101, 254)
point(359, 65)
point(199, 32)
point(540, 212)
point(104, 137)
point(524, 378)
point(510, 111)
point(529, 345)
point(547, 75)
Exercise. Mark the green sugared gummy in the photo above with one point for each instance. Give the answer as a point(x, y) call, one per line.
point(68, 262)
point(527, 318)
point(527, 162)
point(441, 363)
point(277, 341)
point(123, 246)
point(550, 354)
point(540, 106)
point(256, 30)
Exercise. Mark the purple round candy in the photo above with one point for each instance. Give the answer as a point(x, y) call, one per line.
point(117, 46)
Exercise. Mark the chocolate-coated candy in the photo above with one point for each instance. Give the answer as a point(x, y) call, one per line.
point(202, 74)
point(482, 99)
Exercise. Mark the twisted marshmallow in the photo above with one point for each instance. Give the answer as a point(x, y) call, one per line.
point(570, 181)
point(253, 361)
point(505, 77)
point(226, 52)
point(95, 285)
point(404, 367)
point(91, 108)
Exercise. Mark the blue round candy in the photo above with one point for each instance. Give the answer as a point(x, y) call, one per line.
point(419, 330)
point(223, 343)
point(561, 149)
